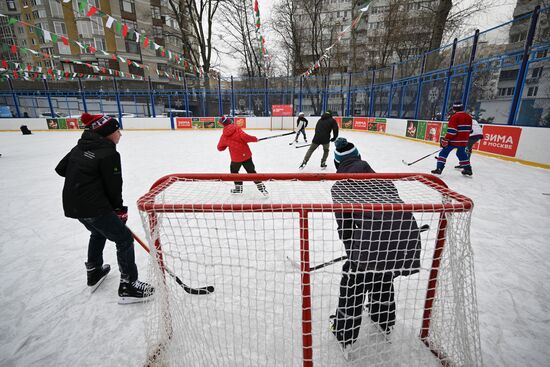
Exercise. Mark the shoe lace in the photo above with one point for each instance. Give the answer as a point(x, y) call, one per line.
point(140, 285)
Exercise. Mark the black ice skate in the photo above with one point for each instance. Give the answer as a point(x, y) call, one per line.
point(467, 171)
point(344, 337)
point(302, 166)
point(262, 189)
point(323, 165)
point(459, 167)
point(237, 190)
point(133, 292)
point(292, 142)
point(437, 171)
point(96, 275)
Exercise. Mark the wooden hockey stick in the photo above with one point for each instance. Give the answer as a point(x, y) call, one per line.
point(195, 291)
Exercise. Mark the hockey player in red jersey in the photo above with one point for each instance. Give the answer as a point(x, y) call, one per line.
point(458, 133)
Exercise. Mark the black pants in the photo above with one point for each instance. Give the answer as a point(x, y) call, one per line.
point(354, 287)
point(248, 165)
point(301, 131)
point(110, 227)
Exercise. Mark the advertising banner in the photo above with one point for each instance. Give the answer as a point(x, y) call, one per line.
point(281, 110)
point(360, 123)
point(433, 131)
point(347, 122)
point(64, 123)
point(184, 123)
point(411, 129)
point(338, 121)
point(503, 140)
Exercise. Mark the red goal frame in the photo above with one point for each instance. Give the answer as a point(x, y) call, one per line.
point(459, 203)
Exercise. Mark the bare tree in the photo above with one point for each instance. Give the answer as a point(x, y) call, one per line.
point(194, 19)
point(240, 37)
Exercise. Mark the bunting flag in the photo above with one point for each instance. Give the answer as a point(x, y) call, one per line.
point(261, 40)
point(326, 53)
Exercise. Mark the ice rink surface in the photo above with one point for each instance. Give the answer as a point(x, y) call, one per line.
point(48, 317)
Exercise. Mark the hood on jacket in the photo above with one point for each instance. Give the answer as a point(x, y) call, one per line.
point(229, 130)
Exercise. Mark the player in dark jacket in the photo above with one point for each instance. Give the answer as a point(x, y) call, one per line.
point(379, 246)
point(92, 193)
point(323, 129)
point(458, 133)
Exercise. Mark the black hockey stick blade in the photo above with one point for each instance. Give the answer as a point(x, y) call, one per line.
point(419, 159)
point(277, 136)
point(302, 146)
point(191, 290)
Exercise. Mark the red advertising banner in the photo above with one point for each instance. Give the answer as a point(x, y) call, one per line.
point(360, 123)
point(184, 122)
point(503, 140)
point(281, 110)
point(381, 128)
point(433, 131)
point(338, 121)
point(72, 123)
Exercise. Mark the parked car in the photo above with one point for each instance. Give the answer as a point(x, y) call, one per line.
point(180, 113)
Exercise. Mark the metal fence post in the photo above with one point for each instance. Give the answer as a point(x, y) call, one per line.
point(348, 101)
point(186, 96)
point(419, 89)
point(151, 96)
point(523, 68)
point(232, 94)
point(390, 98)
point(82, 94)
point(324, 95)
point(301, 96)
point(371, 94)
point(220, 103)
point(15, 99)
point(448, 81)
point(117, 96)
point(468, 82)
point(47, 89)
point(266, 98)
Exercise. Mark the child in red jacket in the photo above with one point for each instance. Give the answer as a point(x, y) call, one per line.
point(237, 141)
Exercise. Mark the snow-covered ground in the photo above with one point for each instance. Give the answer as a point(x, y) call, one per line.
point(48, 317)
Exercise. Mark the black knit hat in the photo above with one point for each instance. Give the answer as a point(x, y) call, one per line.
point(344, 150)
point(102, 124)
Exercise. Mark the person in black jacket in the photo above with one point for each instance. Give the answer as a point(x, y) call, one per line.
point(301, 127)
point(379, 247)
point(324, 127)
point(92, 193)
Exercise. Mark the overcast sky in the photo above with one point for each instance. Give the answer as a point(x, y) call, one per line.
point(482, 21)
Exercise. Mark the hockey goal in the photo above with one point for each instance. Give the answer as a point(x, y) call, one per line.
point(254, 280)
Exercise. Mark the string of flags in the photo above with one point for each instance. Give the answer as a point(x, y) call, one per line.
point(326, 54)
point(263, 50)
point(120, 27)
point(126, 32)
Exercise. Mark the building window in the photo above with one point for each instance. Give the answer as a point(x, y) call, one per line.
point(57, 11)
point(97, 27)
point(508, 74)
point(84, 28)
point(155, 12)
point(532, 91)
point(59, 28)
point(506, 91)
point(63, 49)
point(537, 72)
point(157, 31)
point(99, 43)
point(132, 47)
point(127, 6)
point(11, 5)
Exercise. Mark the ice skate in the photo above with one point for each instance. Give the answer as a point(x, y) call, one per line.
point(237, 190)
point(134, 292)
point(96, 275)
point(302, 166)
point(323, 166)
point(467, 171)
point(262, 189)
point(437, 171)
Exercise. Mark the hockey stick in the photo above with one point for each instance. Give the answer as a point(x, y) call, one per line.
point(196, 291)
point(424, 228)
point(301, 146)
point(277, 136)
point(419, 159)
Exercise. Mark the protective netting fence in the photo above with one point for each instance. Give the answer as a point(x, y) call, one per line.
point(401, 293)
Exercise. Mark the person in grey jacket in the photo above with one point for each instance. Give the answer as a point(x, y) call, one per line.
point(323, 129)
point(380, 246)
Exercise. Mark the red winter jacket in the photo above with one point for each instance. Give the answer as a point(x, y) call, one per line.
point(237, 141)
point(458, 131)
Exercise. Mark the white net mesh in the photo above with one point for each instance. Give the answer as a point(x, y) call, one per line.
point(404, 295)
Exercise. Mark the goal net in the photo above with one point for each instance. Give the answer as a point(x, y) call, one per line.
point(326, 270)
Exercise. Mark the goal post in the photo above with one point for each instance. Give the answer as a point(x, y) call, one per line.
point(395, 287)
